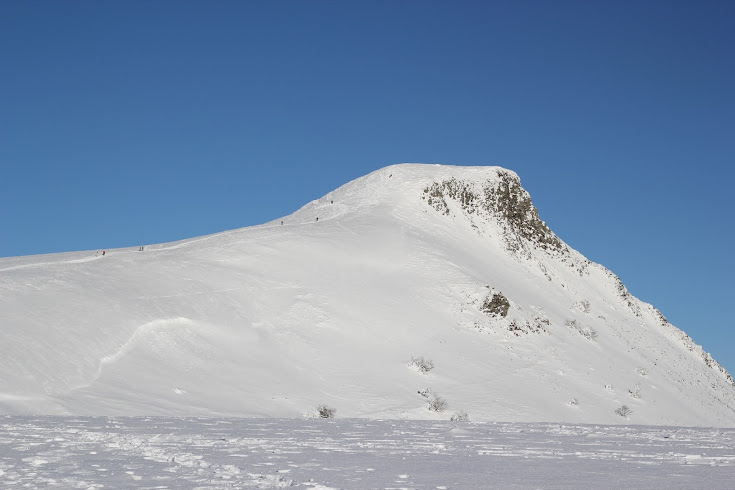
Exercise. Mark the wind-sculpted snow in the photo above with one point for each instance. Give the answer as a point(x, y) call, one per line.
point(211, 453)
point(161, 335)
point(328, 306)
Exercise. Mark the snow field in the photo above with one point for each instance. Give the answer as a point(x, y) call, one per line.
point(188, 453)
point(274, 320)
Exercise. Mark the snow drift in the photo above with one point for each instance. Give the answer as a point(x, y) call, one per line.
point(335, 304)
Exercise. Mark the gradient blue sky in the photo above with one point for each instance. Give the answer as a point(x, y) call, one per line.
point(125, 123)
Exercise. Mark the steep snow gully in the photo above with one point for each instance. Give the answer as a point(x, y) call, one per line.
point(414, 292)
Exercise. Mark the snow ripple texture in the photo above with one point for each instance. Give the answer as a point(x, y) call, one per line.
point(189, 453)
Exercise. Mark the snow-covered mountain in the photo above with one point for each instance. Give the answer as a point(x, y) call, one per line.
point(411, 287)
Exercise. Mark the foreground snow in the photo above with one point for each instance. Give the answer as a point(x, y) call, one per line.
point(151, 452)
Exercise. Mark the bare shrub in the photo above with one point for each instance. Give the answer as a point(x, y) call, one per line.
point(437, 403)
point(583, 306)
point(325, 412)
point(421, 365)
point(587, 332)
point(537, 326)
point(460, 416)
point(623, 411)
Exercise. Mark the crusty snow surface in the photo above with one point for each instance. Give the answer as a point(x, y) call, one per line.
point(274, 320)
point(186, 453)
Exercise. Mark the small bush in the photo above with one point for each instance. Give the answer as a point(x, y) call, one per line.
point(460, 416)
point(635, 392)
point(437, 403)
point(588, 333)
point(584, 305)
point(421, 365)
point(623, 411)
point(325, 412)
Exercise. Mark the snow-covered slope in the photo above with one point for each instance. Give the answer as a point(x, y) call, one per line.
point(330, 304)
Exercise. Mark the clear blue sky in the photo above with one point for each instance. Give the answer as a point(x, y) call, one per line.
point(126, 122)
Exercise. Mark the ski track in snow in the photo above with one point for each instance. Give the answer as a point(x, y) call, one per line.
point(188, 453)
point(55, 263)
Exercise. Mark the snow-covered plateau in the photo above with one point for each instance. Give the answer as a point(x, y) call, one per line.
point(415, 292)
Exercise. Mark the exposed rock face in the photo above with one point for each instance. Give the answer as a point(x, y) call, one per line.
point(496, 305)
point(510, 201)
point(502, 199)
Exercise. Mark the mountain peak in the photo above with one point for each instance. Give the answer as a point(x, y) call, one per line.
point(480, 193)
point(335, 304)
